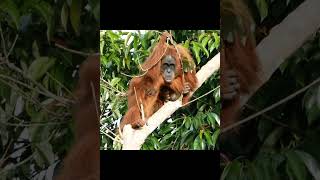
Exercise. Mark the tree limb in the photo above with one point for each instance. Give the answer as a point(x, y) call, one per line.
point(134, 138)
point(285, 38)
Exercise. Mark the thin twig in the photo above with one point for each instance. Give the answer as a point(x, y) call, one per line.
point(27, 97)
point(17, 164)
point(72, 51)
point(116, 93)
point(48, 93)
point(42, 123)
point(274, 121)
point(94, 99)
point(111, 87)
point(13, 45)
point(3, 43)
point(3, 158)
point(27, 86)
point(32, 124)
point(270, 107)
point(135, 92)
point(142, 111)
point(201, 96)
point(132, 76)
point(108, 130)
point(63, 86)
point(114, 139)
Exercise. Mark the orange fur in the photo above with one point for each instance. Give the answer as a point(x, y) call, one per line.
point(153, 81)
point(239, 57)
point(83, 160)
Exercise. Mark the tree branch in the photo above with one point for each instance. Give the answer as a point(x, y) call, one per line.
point(285, 38)
point(134, 138)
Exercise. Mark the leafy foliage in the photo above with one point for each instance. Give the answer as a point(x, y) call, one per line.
point(194, 127)
point(282, 143)
point(36, 80)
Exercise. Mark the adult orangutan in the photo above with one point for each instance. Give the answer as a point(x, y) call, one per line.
point(169, 73)
point(240, 67)
point(83, 160)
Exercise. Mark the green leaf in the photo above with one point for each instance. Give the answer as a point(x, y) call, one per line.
point(58, 72)
point(311, 103)
point(196, 122)
point(288, 1)
point(186, 44)
point(225, 171)
point(30, 110)
point(266, 166)
point(284, 66)
point(295, 167)
point(47, 13)
point(215, 136)
point(185, 135)
point(127, 38)
point(208, 138)
point(203, 144)
point(35, 50)
point(12, 102)
point(201, 108)
point(252, 172)
point(95, 8)
point(205, 41)
point(202, 48)
point(187, 122)
point(47, 101)
point(197, 144)
point(201, 36)
point(39, 133)
point(5, 90)
point(311, 163)
point(187, 65)
point(19, 107)
point(264, 128)
point(39, 67)
point(273, 138)
point(64, 16)
point(210, 42)
point(200, 134)
point(44, 155)
point(212, 47)
point(166, 137)
point(102, 43)
point(263, 9)
point(216, 41)
point(232, 171)
point(115, 81)
point(166, 129)
point(196, 49)
point(8, 6)
point(217, 95)
point(313, 114)
point(144, 40)
point(75, 13)
point(135, 42)
point(213, 117)
point(206, 52)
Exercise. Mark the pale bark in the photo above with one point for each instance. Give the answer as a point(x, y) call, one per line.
point(285, 38)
